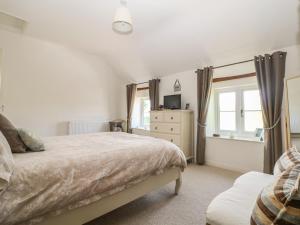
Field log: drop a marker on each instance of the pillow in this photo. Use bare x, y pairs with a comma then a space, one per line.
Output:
32, 142
279, 203
6, 163
11, 135
288, 159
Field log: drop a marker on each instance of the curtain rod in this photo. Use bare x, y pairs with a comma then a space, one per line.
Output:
146, 82
231, 64
245, 61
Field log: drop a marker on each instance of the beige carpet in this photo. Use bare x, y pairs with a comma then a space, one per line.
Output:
200, 185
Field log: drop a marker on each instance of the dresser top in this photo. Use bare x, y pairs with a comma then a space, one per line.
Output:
173, 110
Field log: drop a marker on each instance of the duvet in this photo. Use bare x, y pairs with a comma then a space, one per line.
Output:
77, 170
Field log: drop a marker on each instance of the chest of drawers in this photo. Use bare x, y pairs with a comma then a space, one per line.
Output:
176, 126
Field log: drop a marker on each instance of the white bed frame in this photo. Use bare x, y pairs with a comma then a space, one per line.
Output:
89, 212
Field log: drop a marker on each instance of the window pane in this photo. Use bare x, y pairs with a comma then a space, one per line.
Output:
252, 100
253, 120
146, 109
227, 101
227, 121
136, 114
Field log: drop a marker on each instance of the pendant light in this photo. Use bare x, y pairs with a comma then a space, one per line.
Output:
122, 23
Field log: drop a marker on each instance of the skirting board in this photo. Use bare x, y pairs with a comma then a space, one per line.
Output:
89, 212
228, 167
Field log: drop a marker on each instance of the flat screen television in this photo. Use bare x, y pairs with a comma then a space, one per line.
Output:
172, 102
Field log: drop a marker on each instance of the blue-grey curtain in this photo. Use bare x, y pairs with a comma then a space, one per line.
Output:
130, 94
154, 93
204, 83
270, 71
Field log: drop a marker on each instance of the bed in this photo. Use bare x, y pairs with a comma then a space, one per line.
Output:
79, 178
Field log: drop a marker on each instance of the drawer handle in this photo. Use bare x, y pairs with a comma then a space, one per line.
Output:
172, 129
171, 117
171, 140
155, 128
156, 117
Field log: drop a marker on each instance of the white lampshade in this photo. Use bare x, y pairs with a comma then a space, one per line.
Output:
122, 22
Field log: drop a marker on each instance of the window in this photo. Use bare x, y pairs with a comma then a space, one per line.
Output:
238, 111
227, 103
251, 112
145, 113
141, 110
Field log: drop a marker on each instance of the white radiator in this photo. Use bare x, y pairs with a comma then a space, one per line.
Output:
87, 126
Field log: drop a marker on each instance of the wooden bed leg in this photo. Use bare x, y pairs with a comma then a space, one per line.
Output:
178, 185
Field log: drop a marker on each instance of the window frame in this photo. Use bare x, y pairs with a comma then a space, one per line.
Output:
246, 133
218, 112
239, 110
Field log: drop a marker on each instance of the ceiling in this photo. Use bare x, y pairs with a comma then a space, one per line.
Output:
169, 35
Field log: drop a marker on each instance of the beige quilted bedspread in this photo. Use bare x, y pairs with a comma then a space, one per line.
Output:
78, 170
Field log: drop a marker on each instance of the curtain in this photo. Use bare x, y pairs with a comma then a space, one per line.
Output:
154, 93
131, 91
204, 83
270, 71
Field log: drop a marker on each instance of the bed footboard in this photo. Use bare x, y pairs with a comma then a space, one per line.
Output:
92, 211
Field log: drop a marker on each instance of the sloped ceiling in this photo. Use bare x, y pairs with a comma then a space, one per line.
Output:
169, 35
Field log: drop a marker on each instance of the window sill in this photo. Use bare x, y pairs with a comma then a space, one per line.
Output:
256, 140
141, 128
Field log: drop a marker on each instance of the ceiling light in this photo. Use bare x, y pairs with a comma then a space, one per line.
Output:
122, 23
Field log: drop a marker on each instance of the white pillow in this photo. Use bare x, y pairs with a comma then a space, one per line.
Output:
6, 163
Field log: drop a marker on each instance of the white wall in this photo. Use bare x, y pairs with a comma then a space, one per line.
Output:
296, 141
46, 85
232, 154
237, 155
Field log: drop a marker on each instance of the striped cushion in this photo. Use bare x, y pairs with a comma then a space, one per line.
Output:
288, 159
279, 203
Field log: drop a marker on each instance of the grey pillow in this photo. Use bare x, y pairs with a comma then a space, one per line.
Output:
32, 142
11, 135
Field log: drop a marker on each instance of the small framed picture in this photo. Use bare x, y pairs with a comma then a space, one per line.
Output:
177, 86
259, 132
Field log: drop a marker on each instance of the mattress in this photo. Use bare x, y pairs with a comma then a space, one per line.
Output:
77, 170
234, 206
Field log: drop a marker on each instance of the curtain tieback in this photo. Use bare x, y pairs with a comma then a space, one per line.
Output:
202, 125
274, 125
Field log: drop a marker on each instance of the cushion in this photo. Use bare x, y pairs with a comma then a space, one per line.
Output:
279, 203
11, 135
32, 142
6, 162
234, 206
288, 159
